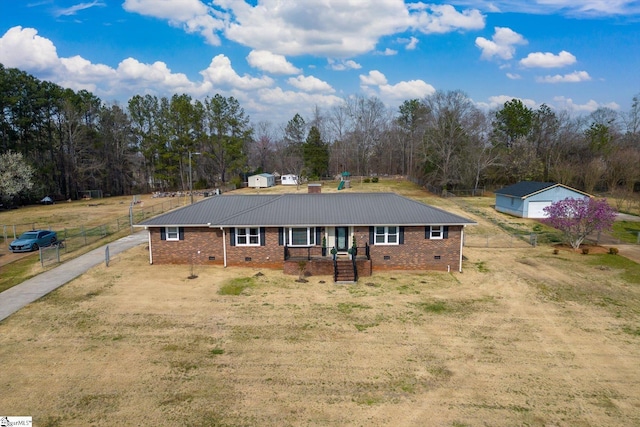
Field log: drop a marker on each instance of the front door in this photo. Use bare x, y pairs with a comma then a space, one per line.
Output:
342, 239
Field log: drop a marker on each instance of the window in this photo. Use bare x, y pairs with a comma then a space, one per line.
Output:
302, 236
173, 233
437, 232
386, 235
248, 237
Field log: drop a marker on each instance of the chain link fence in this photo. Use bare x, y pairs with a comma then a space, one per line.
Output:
73, 239
500, 240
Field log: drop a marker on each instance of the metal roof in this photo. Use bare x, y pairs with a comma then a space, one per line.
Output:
286, 210
524, 189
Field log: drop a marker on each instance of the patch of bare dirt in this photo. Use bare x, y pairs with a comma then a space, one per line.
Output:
589, 248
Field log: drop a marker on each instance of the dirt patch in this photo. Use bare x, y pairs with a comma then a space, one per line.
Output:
589, 248
522, 337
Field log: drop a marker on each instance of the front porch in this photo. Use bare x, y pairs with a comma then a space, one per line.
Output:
313, 261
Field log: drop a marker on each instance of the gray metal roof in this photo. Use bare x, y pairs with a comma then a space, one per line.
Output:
524, 189
284, 210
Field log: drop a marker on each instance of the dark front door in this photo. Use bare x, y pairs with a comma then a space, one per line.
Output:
342, 239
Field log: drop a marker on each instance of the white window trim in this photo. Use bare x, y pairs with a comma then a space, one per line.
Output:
440, 230
169, 233
248, 236
311, 237
386, 236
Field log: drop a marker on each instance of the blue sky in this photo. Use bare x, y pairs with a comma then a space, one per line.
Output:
279, 57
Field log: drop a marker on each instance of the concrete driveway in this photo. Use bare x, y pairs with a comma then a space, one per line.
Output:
15, 298
626, 250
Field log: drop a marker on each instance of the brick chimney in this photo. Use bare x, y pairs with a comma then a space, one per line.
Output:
314, 188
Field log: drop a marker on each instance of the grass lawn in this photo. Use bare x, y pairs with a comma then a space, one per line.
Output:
522, 338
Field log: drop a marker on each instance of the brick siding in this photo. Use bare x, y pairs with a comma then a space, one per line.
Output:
418, 253
202, 245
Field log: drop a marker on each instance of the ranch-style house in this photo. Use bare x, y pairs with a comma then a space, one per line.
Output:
344, 235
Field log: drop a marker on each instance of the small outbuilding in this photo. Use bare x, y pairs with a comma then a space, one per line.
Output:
289, 179
262, 180
527, 199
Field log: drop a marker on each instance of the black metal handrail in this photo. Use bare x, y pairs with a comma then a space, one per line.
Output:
318, 251
299, 251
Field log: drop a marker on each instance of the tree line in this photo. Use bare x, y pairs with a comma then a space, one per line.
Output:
59, 142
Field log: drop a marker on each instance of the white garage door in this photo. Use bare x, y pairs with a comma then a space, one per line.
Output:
536, 209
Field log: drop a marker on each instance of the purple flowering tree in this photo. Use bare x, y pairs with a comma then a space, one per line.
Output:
577, 218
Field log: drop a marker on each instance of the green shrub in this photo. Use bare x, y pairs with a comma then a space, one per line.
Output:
367, 180
374, 179
237, 181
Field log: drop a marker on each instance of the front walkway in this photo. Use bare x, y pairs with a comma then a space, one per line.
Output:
15, 298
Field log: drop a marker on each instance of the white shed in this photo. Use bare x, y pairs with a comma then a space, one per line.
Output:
262, 180
289, 179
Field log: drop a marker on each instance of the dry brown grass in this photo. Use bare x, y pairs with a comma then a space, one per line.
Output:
522, 337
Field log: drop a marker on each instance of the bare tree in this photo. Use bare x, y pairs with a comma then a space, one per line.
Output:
262, 152
368, 118
452, 123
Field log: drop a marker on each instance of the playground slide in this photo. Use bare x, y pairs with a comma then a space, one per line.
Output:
341, 185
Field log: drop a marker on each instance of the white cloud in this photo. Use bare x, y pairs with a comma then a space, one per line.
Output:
445, 18
336, 28
375, 83
133, 71
77, 8
220, 73
499, 100
192, 15
513, 76
548, 60
270, 62
310, 84
502, 44
411, 89
276, 105
389, 52
84, 70
374, 78
23, 48
588, 107
413, 43
575, 77
341, 65
588, 8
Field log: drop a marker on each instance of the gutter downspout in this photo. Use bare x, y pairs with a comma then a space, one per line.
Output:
224, 246
150, 251
461, 245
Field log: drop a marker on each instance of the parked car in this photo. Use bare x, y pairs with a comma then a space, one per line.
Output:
32, 240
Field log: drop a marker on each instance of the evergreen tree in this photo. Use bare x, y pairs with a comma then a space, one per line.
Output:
316, 154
